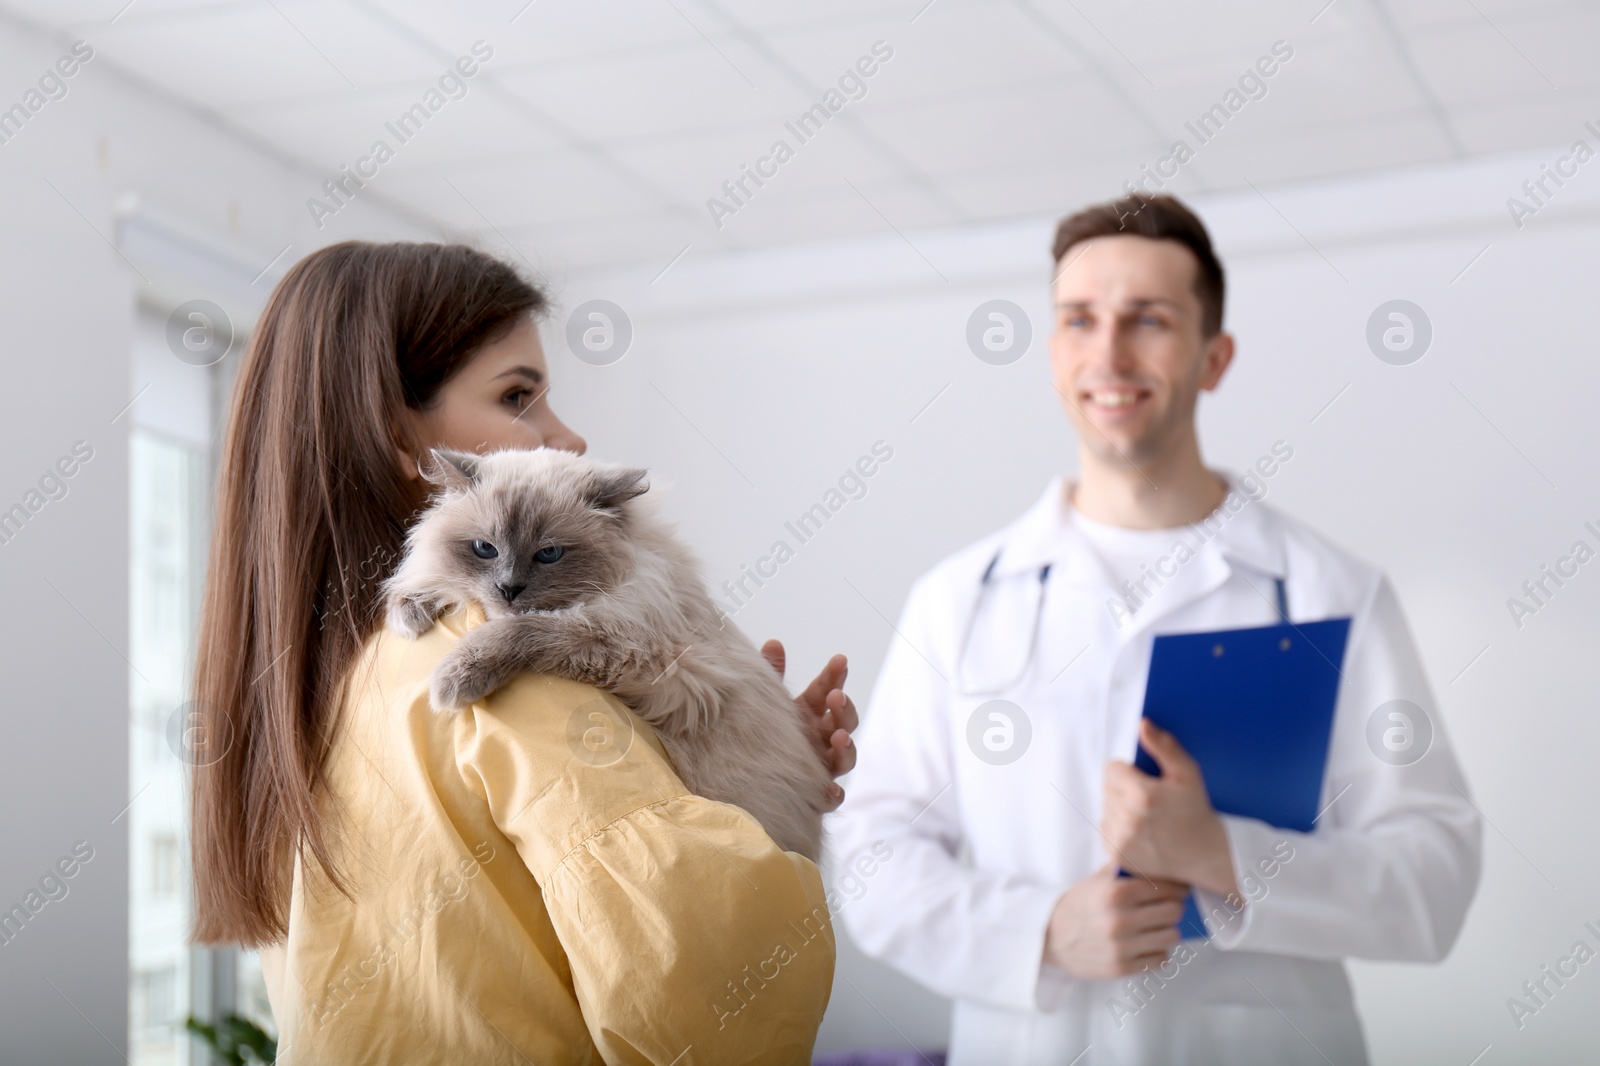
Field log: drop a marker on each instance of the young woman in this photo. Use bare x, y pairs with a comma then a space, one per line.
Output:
504, 885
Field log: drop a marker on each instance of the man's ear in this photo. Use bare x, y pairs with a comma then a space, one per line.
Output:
614, 487
449, 468
1217, 356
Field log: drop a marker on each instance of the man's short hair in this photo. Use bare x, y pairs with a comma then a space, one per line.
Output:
1160, 218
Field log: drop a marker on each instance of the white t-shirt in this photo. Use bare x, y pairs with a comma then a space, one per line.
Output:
1129, 554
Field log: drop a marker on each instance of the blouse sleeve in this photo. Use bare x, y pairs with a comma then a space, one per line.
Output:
691, 936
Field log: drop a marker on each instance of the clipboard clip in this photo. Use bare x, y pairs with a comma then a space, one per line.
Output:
1284, 643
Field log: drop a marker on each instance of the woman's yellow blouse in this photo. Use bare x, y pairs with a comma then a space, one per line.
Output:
532, 884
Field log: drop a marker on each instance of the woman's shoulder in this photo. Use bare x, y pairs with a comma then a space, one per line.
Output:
544, 750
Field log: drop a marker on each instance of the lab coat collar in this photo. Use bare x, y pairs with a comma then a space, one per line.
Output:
1246, 532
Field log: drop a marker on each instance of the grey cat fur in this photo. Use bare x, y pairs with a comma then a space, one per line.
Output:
624, 608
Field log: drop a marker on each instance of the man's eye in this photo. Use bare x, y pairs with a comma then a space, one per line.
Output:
484, 550
1151, 320
548, 555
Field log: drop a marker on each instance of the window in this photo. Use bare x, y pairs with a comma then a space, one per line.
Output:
164, 499
155, 1005
177, 413
164, 864
171, 459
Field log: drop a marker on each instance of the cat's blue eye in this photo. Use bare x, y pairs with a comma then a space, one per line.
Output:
548, 555
484, 550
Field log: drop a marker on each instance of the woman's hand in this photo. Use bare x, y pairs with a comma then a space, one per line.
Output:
828, 714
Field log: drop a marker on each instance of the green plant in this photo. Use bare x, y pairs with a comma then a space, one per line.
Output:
235, 1040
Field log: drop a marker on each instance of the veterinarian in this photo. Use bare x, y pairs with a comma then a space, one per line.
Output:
994, 752
525, 882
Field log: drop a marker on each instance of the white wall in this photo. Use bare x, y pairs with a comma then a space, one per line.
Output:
753, 381
67, 301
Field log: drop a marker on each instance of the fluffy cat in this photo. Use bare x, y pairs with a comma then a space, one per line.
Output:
580, 577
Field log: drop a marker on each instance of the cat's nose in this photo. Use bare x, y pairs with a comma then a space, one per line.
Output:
510, 592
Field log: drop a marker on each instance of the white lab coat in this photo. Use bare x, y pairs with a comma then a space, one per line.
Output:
967, 858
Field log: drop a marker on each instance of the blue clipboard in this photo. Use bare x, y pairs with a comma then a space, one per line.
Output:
1255, 708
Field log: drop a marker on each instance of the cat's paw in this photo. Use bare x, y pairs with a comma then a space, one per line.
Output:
410, 617
461, 679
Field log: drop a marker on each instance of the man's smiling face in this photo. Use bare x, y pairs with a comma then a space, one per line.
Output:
1128, 350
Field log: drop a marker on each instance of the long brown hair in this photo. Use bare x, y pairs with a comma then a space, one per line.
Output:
311, 512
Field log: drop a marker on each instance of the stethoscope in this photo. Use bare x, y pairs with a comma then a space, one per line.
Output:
968, 689
964, 687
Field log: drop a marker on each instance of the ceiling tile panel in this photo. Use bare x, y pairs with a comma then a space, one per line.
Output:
473, 126
683, 87
1019, 126
559, 188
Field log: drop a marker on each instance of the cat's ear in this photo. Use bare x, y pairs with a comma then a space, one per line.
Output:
450, 469
612, 488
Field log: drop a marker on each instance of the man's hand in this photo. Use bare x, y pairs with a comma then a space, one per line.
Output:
1165, 827
1107, 926
828, 714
